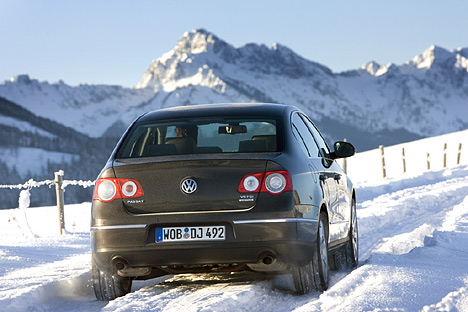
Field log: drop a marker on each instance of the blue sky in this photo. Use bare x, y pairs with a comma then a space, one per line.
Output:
113, 42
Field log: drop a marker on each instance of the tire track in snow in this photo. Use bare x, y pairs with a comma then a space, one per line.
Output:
208, 292
456, 221
41, 287
412, 212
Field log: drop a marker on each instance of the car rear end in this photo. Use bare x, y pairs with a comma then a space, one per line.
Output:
197, 193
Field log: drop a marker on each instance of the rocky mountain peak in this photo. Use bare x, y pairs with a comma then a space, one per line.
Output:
22, 79
200, 54
434, 55
195, 52
371, 67
199, 41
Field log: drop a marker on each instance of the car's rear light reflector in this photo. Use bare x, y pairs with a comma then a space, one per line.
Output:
108, 189
272, 182
129, 188
251, 183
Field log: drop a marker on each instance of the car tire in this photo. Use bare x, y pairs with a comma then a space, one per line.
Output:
314, 275
108, 287
352, 247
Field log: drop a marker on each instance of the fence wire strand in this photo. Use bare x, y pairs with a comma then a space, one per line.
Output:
31, 183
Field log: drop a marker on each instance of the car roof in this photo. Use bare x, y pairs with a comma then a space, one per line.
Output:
210, 110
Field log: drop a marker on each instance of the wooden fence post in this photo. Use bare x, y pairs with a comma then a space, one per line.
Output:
459, 153
59, 192
382, 155
404, 159
445, 156
345, 163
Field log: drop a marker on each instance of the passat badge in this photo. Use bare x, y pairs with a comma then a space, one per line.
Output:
188, 186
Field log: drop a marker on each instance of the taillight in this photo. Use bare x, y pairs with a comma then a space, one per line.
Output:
108, 189
272, 182
105, 190
251, 183
129, 189
275, 183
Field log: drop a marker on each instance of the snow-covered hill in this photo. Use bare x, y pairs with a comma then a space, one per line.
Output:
411, 158
413, 237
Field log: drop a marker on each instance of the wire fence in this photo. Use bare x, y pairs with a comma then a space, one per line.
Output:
409, 159
60, 185
31, 184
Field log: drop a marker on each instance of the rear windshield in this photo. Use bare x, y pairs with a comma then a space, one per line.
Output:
201, 137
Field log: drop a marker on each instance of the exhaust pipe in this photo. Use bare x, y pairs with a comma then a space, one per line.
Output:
125, 270
268, 263
268, 260
119, 264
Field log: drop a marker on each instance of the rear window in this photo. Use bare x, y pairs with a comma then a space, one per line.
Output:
201, 137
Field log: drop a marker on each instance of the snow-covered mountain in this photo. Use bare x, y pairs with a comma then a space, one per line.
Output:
375, 104
424, 97
89, 109
427, 95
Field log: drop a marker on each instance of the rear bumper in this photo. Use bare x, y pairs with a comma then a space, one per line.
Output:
288, 240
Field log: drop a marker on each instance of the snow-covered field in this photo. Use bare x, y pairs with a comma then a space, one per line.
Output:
413, 246
368, 165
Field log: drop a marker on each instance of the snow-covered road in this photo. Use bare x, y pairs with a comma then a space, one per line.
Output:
413, 247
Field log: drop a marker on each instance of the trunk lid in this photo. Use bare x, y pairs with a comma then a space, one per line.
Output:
217, 181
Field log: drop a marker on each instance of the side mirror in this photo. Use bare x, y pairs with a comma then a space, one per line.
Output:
343, 149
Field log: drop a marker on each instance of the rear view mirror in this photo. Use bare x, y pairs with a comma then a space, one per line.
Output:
343, 149
232, 129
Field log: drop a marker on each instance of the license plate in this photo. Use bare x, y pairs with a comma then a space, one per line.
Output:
192, 233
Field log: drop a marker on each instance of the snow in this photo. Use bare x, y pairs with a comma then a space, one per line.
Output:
413, 231
462, 62
371, 67
415, 157
428, 57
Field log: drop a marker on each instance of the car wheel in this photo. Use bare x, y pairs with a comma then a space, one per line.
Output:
352, 247
108, 287
314, 275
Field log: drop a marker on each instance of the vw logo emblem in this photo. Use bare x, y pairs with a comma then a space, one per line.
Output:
188, 186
